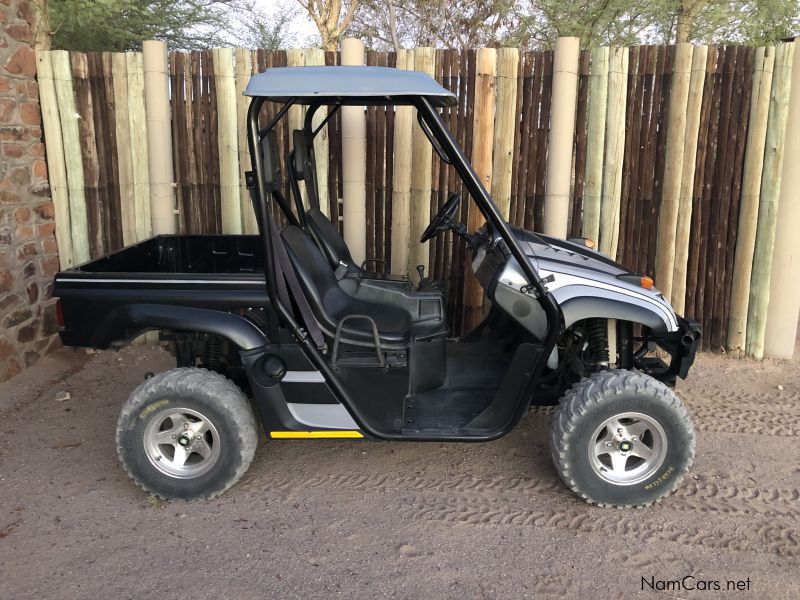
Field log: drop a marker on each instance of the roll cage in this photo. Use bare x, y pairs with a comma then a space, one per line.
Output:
444, 143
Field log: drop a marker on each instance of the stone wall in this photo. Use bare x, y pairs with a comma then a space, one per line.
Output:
28, 253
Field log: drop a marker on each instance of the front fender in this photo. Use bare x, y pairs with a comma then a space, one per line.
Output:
579, 301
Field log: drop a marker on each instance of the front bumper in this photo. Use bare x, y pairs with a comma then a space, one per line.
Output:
680, 345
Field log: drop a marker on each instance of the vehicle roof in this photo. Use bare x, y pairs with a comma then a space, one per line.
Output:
347, 85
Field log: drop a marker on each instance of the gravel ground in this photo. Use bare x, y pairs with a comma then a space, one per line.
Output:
410, 520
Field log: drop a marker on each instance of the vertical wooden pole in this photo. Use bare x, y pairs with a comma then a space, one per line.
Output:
401, 183
70, 135
159, 137
56, 169
505, 124
119, 70
614, 150
88, 141
566, 61
751, 192
244, 69
354, 163
421, 164
227, 141
768, 204
784, 300
673, 167
595, 142
316, 56
693, 114
297, 58
138, 149
482, 136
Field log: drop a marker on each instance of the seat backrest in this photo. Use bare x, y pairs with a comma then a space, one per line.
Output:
319, 226
318, 280
329, 240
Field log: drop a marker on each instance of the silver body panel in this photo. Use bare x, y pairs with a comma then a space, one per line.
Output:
584, 284
322, 416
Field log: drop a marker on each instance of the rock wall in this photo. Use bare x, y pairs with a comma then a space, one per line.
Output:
28, 253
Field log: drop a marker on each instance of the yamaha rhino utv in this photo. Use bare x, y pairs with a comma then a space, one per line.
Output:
328, 348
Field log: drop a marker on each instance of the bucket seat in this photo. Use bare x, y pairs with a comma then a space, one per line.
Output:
328, 239
400, 318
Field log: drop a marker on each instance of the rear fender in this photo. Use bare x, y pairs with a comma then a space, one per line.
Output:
128, 321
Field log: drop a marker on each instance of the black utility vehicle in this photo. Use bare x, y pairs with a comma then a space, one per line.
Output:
327, 348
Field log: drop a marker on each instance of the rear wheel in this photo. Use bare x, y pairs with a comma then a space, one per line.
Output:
187, 433
622, 438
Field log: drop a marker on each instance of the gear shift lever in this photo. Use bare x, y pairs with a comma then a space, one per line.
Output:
421, 272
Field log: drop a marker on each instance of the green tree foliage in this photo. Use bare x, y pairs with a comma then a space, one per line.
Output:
537, 23
259, 29
119, 25
411, 23
720, 21
596, 22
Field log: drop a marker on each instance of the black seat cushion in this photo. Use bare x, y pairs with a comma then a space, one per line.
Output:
331, 304
329, 240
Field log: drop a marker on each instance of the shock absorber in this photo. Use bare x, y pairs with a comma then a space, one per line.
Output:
597, 332
213, 353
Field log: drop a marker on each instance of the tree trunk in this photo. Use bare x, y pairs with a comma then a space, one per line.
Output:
41, 25
687, 12
682, 28
329, 43
393, 26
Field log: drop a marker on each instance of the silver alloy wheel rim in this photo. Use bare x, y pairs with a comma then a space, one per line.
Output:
627, 448
181, 443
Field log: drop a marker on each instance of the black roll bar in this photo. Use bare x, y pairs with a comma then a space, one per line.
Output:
490, 212
312, 109
493, 215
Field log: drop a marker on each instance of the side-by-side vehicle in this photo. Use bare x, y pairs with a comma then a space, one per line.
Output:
329, 348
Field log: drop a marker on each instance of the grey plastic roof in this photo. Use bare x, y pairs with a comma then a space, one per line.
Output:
308, 84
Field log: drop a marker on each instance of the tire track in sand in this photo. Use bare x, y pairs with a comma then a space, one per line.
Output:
776, 536
692, 496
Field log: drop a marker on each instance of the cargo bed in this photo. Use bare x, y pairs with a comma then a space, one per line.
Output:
102, 300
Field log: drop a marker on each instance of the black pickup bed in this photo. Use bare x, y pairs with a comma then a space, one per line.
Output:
102, 301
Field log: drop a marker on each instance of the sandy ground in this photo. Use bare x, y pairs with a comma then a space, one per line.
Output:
325, 518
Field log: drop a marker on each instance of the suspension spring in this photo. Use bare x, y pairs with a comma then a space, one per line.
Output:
213, 353
598, 341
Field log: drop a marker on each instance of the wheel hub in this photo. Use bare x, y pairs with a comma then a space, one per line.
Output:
181, 443
627, 448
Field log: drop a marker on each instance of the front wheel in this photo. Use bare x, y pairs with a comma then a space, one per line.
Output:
621, 438
187, 433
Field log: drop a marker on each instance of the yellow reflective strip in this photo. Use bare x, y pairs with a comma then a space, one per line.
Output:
335, 433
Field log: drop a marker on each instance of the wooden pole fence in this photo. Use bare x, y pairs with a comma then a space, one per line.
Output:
768, 203
677, 163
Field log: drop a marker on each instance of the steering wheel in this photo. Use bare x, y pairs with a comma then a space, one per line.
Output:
443, 219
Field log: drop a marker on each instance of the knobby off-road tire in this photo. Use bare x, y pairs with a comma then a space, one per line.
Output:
186, 433
621, 438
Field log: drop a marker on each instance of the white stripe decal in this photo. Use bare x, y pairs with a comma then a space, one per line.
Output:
324, 416
565, 279
303, 377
